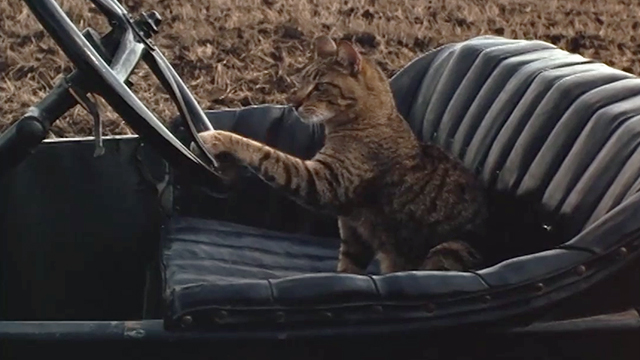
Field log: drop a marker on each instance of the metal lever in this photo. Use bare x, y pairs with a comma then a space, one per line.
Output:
91, 106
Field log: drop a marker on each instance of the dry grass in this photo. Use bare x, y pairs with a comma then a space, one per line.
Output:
234, 53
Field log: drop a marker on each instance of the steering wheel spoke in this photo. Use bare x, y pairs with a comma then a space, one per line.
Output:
187, 104
127, 56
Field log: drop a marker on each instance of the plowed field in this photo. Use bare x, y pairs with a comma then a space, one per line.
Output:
234, 53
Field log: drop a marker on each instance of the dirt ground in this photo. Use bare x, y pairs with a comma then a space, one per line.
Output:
234, 53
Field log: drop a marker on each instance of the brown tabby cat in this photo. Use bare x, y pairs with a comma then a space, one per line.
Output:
412, 205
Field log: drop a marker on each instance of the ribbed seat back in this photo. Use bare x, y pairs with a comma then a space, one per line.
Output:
555, 132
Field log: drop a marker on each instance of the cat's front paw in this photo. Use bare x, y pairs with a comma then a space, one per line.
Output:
216, 142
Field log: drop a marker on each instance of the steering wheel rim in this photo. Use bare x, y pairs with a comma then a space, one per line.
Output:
108, 82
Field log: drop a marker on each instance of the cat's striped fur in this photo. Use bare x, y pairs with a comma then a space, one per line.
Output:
411, 204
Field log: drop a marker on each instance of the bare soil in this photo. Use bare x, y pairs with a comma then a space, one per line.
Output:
234, 53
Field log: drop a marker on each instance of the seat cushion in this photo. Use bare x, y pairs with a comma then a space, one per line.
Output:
217, 273
211, 265
211, 251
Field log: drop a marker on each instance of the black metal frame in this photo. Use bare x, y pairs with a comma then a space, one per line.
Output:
582, 338
123, 47
153, 330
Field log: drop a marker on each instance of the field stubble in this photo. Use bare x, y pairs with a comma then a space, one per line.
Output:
234, 53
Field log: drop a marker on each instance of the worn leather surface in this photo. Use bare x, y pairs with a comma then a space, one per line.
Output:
554, 137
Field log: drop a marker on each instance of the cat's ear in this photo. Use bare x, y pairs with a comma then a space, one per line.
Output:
349, 56
325, 47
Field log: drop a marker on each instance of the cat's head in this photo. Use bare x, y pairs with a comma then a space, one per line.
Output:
338, 84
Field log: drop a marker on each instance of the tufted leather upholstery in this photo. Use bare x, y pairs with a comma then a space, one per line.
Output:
553, 135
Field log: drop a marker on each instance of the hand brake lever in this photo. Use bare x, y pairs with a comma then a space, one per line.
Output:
91, 106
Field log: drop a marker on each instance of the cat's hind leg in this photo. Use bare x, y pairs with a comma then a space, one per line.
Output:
452, 255
355, 252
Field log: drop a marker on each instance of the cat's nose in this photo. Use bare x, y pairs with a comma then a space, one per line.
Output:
294, 101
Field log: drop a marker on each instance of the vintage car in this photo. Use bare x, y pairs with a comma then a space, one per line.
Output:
132, 247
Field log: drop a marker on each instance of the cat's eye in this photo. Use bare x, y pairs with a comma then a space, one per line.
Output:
321, 87
324, 86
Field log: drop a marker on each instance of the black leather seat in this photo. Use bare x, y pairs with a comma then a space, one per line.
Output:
553, 135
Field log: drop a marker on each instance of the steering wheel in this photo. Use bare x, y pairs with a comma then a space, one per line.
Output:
130, 40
